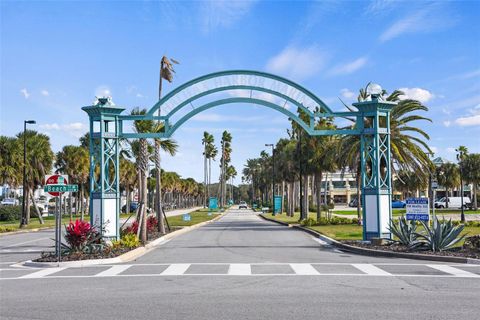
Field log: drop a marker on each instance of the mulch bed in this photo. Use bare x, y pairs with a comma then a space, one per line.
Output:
105, 254
395, 247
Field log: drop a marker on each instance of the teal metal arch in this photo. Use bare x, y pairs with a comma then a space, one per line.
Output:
260, 74
106, 122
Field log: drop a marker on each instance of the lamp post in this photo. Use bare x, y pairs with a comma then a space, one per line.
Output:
461, 153
23, 222
273, 176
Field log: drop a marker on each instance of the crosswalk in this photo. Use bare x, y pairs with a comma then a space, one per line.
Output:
246, 269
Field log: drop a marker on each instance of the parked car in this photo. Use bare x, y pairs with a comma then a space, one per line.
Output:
353, 203
242, 205
453, 203
133, 207
398, 204
10, 202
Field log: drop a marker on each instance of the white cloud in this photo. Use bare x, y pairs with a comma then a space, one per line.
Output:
347, 94
76, 129
299, 63
427, 19
215, 117
451, 150
25, 93
48, 126
434, 149
45, 93
349, 67
472, 120
447, 123
419, 94
223, 13
103, 91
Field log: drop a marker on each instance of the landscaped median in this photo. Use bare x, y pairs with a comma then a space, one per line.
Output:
347, 234
84, 246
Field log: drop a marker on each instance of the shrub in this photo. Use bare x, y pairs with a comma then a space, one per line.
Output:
152, 223
308, 222
442, 235
130, 241
133, 228
7, 229
405, 231
10, 213
78, 234
323, 221
472, 243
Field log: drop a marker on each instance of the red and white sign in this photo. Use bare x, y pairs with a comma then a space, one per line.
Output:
56, 179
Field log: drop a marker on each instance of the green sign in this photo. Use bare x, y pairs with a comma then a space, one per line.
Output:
61, 188
212, 203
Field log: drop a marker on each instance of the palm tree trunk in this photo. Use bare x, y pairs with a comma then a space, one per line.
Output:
158, 188
318, 191
36, 208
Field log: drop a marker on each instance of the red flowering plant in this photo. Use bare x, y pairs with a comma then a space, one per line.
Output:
80, 235
133, 228
152, 223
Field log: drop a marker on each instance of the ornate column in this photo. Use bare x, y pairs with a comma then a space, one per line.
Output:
105, 129
374, 124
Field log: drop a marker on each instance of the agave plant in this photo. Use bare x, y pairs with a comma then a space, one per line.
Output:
442, 235
405, 231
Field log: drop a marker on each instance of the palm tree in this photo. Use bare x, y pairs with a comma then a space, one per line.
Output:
10, 161
471, 172
40, 159
462, 153
166, 72
448, 176
207, 142
128, 179
224, 161
230, 174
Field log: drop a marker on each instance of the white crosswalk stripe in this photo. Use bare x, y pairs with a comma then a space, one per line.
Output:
245, 269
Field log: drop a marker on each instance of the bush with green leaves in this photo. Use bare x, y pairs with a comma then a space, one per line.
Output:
441, 236
405, 231
308, 222
13, 213
130, 241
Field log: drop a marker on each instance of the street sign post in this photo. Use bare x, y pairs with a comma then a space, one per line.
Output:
278, 204
212, 203
418, 209
186, 217
56, 185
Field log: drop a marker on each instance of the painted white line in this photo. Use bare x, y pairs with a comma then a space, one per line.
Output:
176, 269
20, 243
113, 271
42, 273
239, 269
304, 269
323, 243
453, 271
371, 269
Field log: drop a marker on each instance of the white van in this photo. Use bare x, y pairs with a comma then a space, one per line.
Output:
453, 202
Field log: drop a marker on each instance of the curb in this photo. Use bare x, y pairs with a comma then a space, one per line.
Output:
24, 231
377, 253
128, 256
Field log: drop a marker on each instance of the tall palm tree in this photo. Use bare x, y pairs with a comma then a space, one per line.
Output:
207, 142
128, 179
10, 161
462, 153
224, 161
39, 162
448, 175
471, 172
166, 72
230, 174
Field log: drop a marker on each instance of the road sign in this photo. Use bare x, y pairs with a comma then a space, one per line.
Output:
434, 185
56, 179
278, 204
186, 217
417, 209
60, 188
212, 203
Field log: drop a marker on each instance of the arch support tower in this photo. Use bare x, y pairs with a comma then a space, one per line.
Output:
105, 128
374, 124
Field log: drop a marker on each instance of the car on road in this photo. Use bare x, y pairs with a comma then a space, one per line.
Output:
10, 202
398, 204
242, 205
133, 207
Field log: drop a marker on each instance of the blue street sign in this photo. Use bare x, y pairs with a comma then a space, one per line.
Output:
417, 209
186, 217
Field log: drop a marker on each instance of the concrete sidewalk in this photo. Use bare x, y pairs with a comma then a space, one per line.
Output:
170, 213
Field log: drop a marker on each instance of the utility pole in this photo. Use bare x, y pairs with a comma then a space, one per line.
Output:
273, 176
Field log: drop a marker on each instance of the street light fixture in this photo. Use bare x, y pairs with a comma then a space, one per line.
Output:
23, 222
273, 176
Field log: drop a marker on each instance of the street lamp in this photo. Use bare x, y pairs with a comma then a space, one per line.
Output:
273, 176
23, 223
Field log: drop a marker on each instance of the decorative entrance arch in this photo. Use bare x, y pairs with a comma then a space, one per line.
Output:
229, 88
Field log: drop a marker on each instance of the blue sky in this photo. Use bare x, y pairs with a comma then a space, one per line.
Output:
56, 56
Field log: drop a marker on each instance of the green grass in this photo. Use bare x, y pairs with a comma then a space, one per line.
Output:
197, 217
7, 226
399, 212
349, 231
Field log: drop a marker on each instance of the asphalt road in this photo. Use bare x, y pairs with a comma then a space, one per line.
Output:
242, 267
